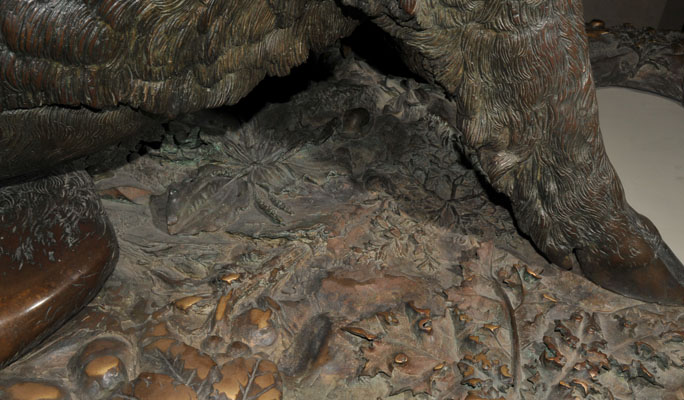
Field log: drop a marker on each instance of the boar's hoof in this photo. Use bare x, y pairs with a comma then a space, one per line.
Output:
635, 262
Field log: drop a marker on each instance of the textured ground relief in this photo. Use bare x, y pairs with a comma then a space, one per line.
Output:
335, 247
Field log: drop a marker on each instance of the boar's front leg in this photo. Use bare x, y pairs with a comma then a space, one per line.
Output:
520, 75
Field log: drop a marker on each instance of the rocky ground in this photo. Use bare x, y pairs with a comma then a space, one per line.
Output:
335, 246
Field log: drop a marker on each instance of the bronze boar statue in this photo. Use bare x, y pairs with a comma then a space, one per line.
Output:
76, 76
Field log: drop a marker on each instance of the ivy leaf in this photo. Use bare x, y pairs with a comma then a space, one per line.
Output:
249, 379
414, 349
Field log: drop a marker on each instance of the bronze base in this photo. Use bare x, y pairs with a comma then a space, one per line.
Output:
381, 270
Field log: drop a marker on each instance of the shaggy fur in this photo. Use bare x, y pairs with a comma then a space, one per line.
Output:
518, 71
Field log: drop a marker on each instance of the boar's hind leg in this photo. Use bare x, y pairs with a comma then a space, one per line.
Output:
520, 75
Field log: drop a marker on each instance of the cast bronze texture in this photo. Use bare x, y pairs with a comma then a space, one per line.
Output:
56, 250
335, 297
76, 76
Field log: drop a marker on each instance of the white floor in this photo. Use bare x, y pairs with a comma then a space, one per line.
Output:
644, 137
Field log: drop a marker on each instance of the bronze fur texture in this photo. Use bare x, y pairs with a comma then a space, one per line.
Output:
76, 76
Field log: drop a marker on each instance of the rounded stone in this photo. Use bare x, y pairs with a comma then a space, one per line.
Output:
102, 366
56, 250
99, 367
32, 391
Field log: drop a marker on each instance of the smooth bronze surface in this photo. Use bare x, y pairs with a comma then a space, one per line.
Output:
33, 391
55, 253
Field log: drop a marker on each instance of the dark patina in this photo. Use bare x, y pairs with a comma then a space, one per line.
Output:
78, 76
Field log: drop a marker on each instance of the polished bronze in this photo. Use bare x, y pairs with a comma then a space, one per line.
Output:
55, 253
